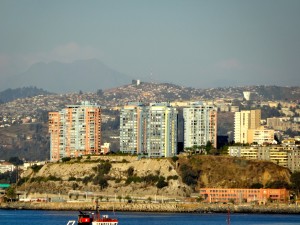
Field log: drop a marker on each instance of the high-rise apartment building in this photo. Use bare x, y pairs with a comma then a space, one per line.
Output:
150, 130
161, 130
200, 125
132, 127
243, 121
75, 131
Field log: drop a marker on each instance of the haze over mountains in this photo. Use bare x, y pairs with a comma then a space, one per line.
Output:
84, 75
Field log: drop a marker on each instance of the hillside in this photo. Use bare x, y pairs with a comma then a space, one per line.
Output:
9, 94
230, 172
130, 176
26, 141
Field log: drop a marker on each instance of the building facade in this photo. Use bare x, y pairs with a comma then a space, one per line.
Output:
132, 128
239, 195
75, 131
6, 167
149, 130
200, 125
286, 156
261, 136
243, 121
161, 130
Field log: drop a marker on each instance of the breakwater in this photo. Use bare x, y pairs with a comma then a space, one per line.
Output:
154, 207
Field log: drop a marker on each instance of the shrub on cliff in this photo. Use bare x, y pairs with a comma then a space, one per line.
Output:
189, 174
161, 182
175, 177
65, 159
103, 168
278, 184
130, 171
134, 179
36, 168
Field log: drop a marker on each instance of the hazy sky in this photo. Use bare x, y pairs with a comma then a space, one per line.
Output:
201, 43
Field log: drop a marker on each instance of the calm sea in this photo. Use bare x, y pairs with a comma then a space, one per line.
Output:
37, 217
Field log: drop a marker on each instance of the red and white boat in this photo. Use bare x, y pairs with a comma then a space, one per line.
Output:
94, 219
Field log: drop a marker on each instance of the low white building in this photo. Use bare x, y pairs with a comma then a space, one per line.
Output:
6, 167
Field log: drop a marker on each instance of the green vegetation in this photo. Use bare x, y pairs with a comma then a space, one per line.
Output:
36, 168
175, 158
161, 182
175, 177
16, 161
44, 179
189, 174
130, 171
65, 159
11, 193
72, 179
278, 184
256, 185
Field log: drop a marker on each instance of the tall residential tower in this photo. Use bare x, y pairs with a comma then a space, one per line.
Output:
75, 131
149, 130
161, 130
244, 121
200, 125
132, 126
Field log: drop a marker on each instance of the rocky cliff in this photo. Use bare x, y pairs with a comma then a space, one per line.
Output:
130, 176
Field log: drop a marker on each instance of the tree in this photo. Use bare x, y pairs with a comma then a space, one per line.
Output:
65, 159
175, 158
256, 186
11, 193
130, 171
128, 198
208, 146
103, 182
75, 186
16, 161
161, 182
278, 184
119, 197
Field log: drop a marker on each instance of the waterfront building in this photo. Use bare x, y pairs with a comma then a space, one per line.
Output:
200, 125
240, 195
149, 130
75, 131
132, 127
161, 130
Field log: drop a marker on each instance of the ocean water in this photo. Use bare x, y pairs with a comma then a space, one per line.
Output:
39, 217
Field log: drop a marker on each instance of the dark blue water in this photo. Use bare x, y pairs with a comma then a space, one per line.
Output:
37, 217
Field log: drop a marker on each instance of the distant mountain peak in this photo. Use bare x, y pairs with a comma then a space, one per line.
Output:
84, 75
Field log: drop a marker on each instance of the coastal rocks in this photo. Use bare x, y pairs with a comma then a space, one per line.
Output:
154, 207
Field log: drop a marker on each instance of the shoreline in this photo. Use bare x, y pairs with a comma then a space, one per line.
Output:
154, 207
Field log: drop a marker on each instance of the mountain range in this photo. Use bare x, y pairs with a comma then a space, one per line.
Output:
80, 75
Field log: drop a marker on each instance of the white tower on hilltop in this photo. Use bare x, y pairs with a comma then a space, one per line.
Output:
247, 95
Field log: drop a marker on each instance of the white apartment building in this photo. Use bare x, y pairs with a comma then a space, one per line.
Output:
200, 125
161, 130
149, 130
132, 126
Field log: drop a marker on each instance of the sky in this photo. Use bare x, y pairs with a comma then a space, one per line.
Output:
194, 43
